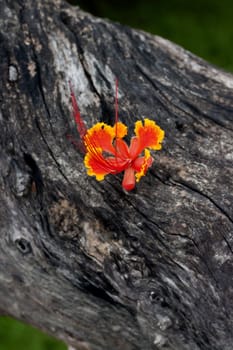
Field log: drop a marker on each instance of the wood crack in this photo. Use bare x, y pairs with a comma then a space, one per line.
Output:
51, 152
220, 209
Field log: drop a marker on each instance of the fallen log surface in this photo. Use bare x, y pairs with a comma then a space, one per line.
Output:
84, 260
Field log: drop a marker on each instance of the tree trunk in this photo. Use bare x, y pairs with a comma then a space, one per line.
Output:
84, 260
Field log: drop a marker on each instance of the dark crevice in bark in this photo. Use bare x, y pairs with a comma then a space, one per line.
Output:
195, 189
50, 151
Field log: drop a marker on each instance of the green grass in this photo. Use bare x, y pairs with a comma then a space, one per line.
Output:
15, 335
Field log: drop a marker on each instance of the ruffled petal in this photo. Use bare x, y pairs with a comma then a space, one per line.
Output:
101, 136
120, 130
150, 135
142, 164
96, 164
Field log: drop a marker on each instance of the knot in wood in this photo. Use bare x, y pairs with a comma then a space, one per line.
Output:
23, 245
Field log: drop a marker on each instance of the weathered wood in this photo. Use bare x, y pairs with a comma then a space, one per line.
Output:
83, 260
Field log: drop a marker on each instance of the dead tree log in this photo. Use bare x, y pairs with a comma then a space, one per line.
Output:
84, 260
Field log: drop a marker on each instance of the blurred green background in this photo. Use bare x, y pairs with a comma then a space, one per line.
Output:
204, 27
15, 335
201, 26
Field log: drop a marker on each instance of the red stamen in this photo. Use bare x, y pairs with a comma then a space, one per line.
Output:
116, 114
77, 116
93, 149
77, 143
116, 102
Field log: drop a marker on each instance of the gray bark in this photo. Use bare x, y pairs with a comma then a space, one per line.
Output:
83, 260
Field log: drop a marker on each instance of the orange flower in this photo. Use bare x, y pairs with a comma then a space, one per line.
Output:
108, 153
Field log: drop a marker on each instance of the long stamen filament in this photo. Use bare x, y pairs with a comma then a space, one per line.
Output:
116, 116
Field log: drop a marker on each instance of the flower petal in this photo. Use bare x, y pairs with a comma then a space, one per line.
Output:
96, 164
121, 149
117, 164
134, 150
142, 164
150, 135
101, 136
120, 130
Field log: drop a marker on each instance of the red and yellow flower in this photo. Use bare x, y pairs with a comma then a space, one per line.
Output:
107, 152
